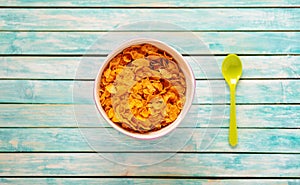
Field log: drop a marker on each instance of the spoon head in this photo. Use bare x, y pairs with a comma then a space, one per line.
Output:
232, 68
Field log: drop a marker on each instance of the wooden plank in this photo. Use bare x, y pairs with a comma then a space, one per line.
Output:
190, 165
15, 115
34, 115
207, 91
150, 3
148, 181
109, 19
197, 140
81, 43
46, 67
255, 67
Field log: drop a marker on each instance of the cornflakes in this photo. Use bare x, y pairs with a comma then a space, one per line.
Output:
142, 89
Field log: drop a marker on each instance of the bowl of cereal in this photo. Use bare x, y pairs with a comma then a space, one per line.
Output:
144, 89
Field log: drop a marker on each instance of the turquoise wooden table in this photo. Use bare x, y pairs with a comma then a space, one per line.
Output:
42, 47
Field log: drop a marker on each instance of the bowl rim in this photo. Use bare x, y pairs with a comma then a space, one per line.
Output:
178, 58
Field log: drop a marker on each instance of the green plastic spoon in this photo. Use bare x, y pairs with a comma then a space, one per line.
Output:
232, 71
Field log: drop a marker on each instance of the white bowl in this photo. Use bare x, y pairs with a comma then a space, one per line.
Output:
190, 87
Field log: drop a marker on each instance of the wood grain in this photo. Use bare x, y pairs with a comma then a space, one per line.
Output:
110, 19
58, 115
102, 43
150, 3
190, 165
254, 67
208, 91
201, 140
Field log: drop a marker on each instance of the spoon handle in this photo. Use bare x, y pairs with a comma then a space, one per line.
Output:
233, 135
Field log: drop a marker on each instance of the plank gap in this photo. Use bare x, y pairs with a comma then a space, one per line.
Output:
105, 55
148, 152
151, 7
118, 31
